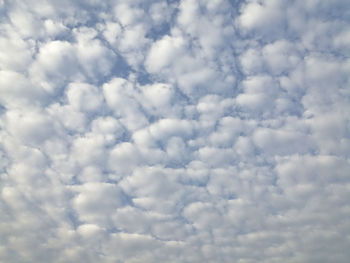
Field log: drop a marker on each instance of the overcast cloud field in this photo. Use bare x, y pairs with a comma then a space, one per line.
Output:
174, 131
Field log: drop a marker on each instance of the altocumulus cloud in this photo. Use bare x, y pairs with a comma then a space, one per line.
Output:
174, 131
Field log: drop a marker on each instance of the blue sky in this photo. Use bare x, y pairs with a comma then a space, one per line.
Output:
174, 131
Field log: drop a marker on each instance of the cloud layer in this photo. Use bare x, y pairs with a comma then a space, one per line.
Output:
174, 131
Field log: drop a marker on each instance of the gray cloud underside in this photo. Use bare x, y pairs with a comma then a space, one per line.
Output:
174, 131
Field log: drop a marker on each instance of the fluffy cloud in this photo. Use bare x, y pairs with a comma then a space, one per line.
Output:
174, 131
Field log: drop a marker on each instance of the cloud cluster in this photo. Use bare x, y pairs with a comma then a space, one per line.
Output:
174, 131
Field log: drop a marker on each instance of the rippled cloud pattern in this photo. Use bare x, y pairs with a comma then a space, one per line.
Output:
174, 131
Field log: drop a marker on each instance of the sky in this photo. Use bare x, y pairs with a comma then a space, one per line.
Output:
174, 131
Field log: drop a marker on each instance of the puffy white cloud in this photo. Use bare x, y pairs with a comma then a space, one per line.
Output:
18, 53
69, 118
266, 19
174, 131
163, 52
55, 64
25, 23
108, 127
282, 142
124, 158
95, 202
259, 95
84, 97
96, 59
17, 90
120, 96
31, 127
281, 56
251, 61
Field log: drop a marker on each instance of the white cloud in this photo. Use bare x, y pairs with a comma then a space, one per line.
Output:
95, 202
108, 127
266, 18
163, 52
31, 127
55, 64
69, 118
79, 93
174, 131
281, 56
16, 90
120, 96
18, 53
